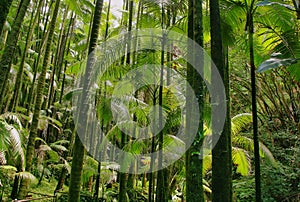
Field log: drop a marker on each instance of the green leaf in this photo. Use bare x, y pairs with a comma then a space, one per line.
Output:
239, 122
27, 175
69, 95
275, 62
58, 148
242, 160
52, 121
207, 163
74, 68
268, 3
40, 139
8, 167
10, 141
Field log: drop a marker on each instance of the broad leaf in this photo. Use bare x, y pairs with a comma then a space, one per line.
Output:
268, 3
242, 160
69, 95
275, 62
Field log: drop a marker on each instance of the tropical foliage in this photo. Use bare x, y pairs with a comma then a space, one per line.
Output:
67, 135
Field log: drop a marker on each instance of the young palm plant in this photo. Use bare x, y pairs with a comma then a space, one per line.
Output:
11, 150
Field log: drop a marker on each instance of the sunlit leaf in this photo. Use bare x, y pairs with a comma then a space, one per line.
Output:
242, 160
275, 62
268, 3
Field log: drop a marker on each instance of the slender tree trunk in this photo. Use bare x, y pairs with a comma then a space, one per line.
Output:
100, 138
153, 157
9, 50
72, 23
194, 187
15, 98
97, 185
41, 45
254, 105
78, 153
122, 176
38, 102
221, 160
76, 171
4, 8
161, 184
130, 60
228, 118
61, 180
14, 192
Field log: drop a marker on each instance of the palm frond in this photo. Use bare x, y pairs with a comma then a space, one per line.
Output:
61, 142
135, 147
7, 168
4, 136
173, 144
58, 148
40, 139
44, 148
91, 162
27, 175
12, 117
49, 120
241, 158
206, 188
265, 152
207, 163
11, 143
248, 145
239, 122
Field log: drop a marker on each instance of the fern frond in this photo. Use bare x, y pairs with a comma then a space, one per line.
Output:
241, 158
239, 122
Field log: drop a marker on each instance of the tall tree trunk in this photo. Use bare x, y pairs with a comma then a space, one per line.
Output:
131, 60
153, 150
161, 184
14, 192
194, 187
221, 154
98, 149
122, 176
40, 47
15, 98
38, 102
69, 32
254, 105
10, 46
4, 8
56, 69
78, 153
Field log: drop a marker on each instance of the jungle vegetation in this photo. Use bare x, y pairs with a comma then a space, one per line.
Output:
49, 52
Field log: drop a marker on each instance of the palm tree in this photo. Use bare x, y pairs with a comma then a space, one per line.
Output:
221, 154
78, 153
194, 187
10, 46
38, 103
4, 8
242, 146
11, 150
250, 28
19, 79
